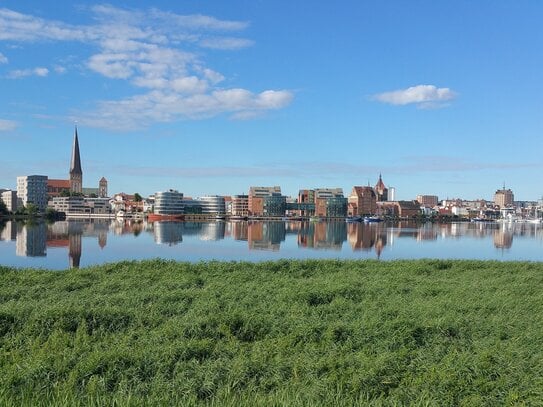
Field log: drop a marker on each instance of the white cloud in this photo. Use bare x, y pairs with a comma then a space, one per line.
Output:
21, 73
3, 59
424, 96
226, 43
166, 106
7, 125
152, 50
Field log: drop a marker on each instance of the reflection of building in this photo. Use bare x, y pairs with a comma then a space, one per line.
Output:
32, 189
265, 235
212, 231
504, 198
266, 201
361, 235
330, 235
74, 250
427, 232
503, 238
239, 230
31, 240
9, 231
168, 232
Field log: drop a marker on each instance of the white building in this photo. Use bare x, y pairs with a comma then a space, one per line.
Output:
9, 198
212, 205
169, 203
78, 205
32, 189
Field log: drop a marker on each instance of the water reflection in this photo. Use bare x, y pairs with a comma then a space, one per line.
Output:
77, 237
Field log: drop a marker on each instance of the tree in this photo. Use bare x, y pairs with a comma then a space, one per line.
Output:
3, 208
137, 197
31, 209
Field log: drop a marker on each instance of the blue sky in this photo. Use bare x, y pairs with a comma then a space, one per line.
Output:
211, 97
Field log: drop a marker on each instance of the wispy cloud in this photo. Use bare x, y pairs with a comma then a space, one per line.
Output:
155, 51
226, 43
424, 96
3, 59
7, 125
21, 73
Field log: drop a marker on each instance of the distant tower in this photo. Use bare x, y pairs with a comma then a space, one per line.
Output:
76, 174
102, 188
381, 190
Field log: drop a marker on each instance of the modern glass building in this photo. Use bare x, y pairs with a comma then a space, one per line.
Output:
212, 205
169, 203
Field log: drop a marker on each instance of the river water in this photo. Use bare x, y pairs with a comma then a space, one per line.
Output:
66, 244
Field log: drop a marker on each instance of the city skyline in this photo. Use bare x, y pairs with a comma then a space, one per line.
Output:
213, 98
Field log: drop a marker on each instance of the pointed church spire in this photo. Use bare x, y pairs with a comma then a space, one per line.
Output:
75, 166
76, 173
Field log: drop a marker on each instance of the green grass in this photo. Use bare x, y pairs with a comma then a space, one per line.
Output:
286, 333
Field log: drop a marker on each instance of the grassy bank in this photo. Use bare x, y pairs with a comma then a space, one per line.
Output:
276, 333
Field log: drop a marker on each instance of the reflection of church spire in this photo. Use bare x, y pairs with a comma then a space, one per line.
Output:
102, 239
75, 250
76, 174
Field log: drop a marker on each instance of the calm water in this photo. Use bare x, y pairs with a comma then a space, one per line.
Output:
81, 243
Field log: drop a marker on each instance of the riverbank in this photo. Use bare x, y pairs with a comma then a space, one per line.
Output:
311, 332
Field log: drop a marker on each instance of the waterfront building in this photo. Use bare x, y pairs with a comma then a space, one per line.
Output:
212, 205
192, 206
126, 202
78, 205
266, 201
169, 203
428, 201
9, 198
381, 190
504, 198
76, 173
362, 201
330, 202
408, 209
32, 189
240, 206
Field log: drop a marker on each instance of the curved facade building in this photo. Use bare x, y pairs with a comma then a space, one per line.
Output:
168, 204
213, 205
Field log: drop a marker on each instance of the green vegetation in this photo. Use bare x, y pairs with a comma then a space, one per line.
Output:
293, 333
3, 209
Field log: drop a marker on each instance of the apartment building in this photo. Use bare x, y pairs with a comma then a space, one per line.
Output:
266, 201
32, 189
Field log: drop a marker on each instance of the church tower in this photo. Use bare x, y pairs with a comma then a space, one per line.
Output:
381, 190
102, 188
76, 174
